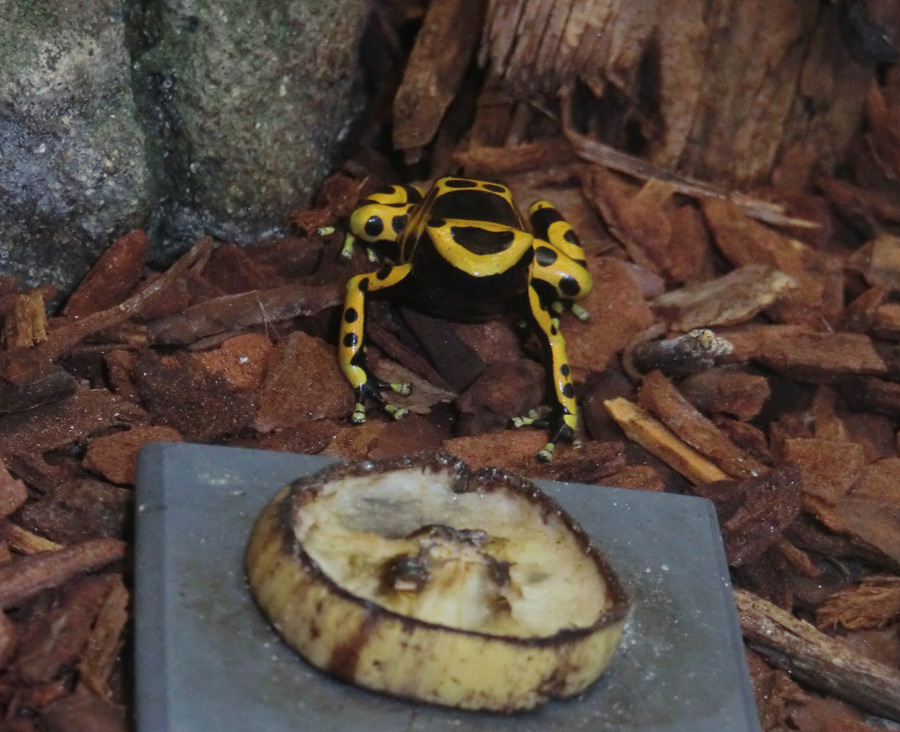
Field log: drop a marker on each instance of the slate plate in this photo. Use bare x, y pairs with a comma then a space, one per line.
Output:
207, 659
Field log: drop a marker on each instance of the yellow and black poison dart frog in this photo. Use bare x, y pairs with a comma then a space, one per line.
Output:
463, 252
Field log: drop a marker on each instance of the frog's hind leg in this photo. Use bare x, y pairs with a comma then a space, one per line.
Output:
351, 350
564, 417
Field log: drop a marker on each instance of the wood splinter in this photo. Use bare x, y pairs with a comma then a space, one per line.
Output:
657, 439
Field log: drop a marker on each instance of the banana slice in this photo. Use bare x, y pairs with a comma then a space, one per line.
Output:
417, 578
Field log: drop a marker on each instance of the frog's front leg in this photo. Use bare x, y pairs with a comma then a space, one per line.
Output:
381, 219
351, 351
559, 257
564, 417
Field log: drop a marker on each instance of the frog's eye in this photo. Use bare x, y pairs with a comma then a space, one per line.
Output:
374, 226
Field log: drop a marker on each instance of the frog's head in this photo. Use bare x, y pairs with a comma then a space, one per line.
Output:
378, 222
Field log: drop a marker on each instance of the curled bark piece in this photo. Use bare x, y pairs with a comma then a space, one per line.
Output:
23, 578
816, 659
685, 354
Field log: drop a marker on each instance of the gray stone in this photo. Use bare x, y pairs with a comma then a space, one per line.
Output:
184, 117
73, 175
247, 104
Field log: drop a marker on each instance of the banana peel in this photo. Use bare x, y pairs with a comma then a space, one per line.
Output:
417, 578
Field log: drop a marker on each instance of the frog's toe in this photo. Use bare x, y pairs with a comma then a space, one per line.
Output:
347, 249
401, 387
532, 419
358, 416
395, 411
545, 455
580, 313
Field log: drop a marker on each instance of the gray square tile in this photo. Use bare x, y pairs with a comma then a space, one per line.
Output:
206, 659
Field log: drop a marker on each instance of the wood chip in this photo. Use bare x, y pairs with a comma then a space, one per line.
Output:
24, 577
24, 541
457, 363
659, 396
303, 382
242, 360
442, 52
618, 313
883, 265
873, 603
115, 456
404, 355
828, 468
28, 324
637, 477
80, 509
860, 204
807, 355
883, 120
755, 512
13, 493
744, 241
501, 162
82, 712
637, 221
65, 422
76, 330
200, 405
112, 277
105, 641
510, 449
54, 640
9, 635
870, 510
733, 298
28, 380
727, 391
236, 312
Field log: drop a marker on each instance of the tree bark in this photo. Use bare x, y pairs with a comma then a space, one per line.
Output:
722, 90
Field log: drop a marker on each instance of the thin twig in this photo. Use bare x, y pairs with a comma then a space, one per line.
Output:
595, 151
